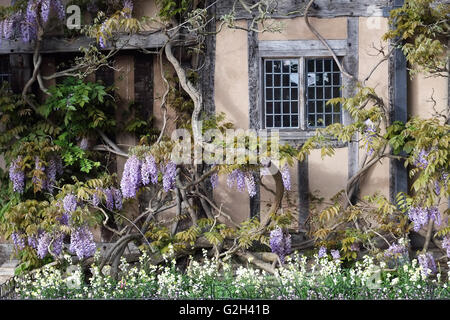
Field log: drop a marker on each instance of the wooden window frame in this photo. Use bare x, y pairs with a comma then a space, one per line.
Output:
301, 50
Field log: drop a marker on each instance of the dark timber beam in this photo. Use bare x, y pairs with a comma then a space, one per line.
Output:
56, 45
303, 193
398, 83
325, 8
351, 62
254, 111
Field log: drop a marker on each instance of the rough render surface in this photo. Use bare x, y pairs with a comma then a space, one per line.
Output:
370, 33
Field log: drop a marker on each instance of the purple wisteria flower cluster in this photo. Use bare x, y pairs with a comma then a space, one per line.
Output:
128, 8
280, 243
335, 254
251, 185
138, 173
427, 263
131, 177
443, 180
240, 179
369, 135
113, 199
18, 240
17, 175
420, 216
446, 245
82, 242
421, 160
169, 176
322, 252
395, 250
47, 241
214, 180
27, 20
286, 176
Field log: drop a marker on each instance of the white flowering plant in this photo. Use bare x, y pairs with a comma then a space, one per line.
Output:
300, 278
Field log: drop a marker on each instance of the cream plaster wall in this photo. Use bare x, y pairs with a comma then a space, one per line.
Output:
296, 29
370, 33
231, 97
421, 89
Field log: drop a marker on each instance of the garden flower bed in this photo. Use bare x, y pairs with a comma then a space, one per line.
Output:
299, 278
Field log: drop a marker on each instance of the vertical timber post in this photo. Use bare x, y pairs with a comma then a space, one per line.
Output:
303, 193
399, 112
21, 69
351, 62
254, 112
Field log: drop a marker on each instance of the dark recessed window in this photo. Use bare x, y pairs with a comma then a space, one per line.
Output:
323, 82
5, 70
282, 100
281, 93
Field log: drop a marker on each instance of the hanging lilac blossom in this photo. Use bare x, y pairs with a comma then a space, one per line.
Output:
251, 186
95, 198
435, 215
369, 135
18, 240
422, 159
70, 203
82, 242
149, 171
101, 39
109, 199
240, 181
443, 179
153, 169
322, 252
420, 216
214, 180
131, 178
33, 242
286, 176
64, 220
52, 171
43, 243
58, 6
17, 176
29, 23
8, 28
335, 254
117, 195
446, 245
395, 250
169, 176
128, 7
280, 244
236, 177
231, 179
426, 261
45, 9
57, 244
